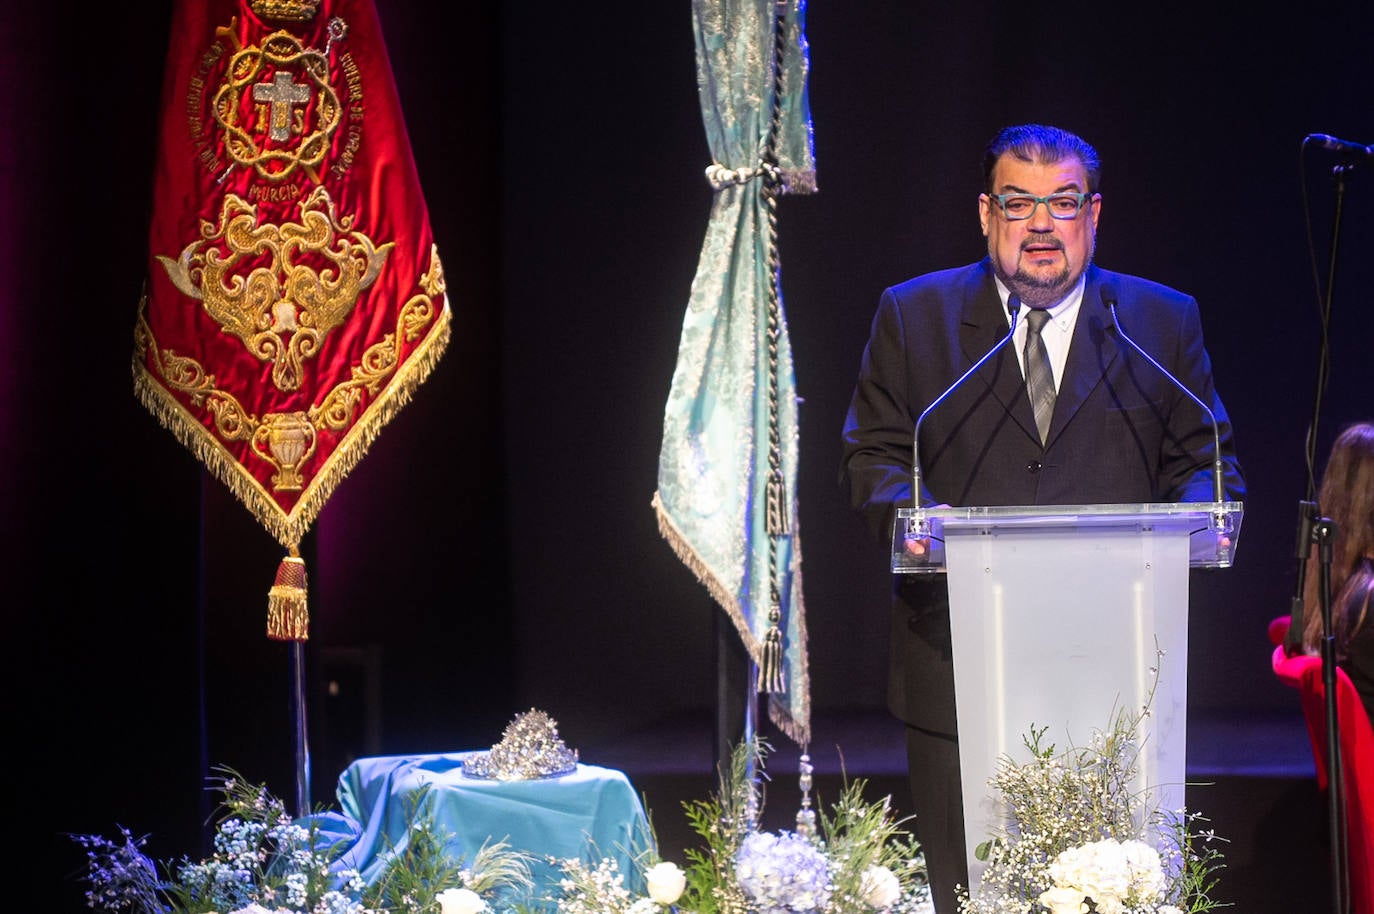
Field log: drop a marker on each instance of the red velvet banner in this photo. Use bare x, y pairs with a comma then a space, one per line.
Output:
295, 298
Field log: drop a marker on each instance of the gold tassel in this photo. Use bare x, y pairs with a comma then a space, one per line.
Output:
288, 616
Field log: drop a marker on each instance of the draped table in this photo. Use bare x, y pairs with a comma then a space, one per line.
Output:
589, 813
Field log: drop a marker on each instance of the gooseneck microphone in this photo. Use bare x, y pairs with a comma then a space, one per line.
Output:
1014, 307
1109, 299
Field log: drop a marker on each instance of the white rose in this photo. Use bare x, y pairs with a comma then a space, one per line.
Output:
665, 882
879, 887
1146, 870
1109, 904
1062, 900
460, 901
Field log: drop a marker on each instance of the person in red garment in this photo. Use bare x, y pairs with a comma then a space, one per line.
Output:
1346, 497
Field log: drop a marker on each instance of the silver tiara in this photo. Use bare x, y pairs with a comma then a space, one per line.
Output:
530, 748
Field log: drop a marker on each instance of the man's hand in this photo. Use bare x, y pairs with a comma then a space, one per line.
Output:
917, 545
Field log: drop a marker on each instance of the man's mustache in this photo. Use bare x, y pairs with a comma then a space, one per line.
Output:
1050, 240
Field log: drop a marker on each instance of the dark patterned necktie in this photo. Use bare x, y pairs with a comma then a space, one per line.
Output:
1039, 376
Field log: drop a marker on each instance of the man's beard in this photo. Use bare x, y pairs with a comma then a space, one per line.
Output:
1038, 292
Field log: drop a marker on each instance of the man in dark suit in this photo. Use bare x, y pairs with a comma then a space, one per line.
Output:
1116, 429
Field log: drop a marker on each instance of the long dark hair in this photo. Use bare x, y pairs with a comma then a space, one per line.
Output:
1347, 498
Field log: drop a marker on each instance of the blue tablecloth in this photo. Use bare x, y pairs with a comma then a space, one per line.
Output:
589, 813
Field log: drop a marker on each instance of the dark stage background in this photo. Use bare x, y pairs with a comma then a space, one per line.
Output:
496, 550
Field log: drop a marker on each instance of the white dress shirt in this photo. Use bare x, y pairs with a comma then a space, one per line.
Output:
1058, 330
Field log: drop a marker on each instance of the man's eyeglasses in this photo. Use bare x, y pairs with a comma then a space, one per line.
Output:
1016, 207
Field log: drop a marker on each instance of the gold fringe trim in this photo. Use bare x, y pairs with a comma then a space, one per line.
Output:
796, 727
288, 529
797, 730
288, 619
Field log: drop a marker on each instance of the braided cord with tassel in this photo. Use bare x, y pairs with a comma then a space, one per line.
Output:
771, 666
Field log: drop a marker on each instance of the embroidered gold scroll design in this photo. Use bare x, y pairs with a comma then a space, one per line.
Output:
287, 440
264, 284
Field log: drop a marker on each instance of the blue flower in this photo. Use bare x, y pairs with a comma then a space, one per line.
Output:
783, 873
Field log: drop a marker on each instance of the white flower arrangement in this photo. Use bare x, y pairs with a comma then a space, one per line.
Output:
859, 860
1116, 875
1080, 839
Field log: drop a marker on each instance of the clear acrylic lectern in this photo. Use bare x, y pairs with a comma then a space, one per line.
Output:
1056, 613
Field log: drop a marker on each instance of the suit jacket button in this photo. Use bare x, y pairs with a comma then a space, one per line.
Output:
1034, 466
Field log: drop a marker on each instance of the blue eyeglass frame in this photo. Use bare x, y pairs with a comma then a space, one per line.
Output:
1082, 199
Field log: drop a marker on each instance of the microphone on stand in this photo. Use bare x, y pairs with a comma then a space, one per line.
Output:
1345, 147
1013, 307
1220, 520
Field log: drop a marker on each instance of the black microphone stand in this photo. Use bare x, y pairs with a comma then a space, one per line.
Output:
1313, 529
1323, 532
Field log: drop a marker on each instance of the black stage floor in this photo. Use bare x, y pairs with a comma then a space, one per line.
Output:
1253, 778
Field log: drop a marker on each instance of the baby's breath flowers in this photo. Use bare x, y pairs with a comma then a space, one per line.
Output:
598, 887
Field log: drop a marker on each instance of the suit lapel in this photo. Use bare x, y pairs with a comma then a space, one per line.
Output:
1092, 351
983, 324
